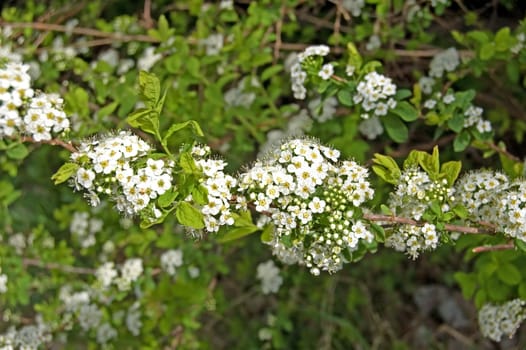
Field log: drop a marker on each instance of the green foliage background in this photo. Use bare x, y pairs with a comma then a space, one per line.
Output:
368, 305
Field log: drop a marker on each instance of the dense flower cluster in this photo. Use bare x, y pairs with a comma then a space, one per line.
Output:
85, 228
298, 76
216, 211
511, 207
130, 271
445, 61
371, 128
268, 273
118, 166
24, 111
413, 239
414, 194
498, 320
28, 337
170, 260
480, 193
375, 94
312, 201
473, 117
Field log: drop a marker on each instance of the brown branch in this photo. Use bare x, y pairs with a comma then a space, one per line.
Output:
147, 14
493, 248
279, 25
407, 221
78, 31
502, 151
54, 142
54, 266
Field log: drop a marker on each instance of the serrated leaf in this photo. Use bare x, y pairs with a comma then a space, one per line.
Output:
64, 172
149, 88
456, 123
146, 120
450, 170
188, 215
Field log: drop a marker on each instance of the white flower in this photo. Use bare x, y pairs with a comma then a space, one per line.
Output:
268, 273
326, 71
106, 273
171, 259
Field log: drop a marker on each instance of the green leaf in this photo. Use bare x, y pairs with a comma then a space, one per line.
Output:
457, 122
386, 168
345, 98
267, 234
450, 170
386, 210
461, 211
150, 89
167, 198
188, 164
509, 274
188, 215
468, 283
402, 94
487, 51
237, 232
520, 244
179, 126
355, 59
64, 172
522, 291
379, 232
18, 152
271, 71
108, 109
146, 120
200, 194
513, 71
405, 111
462, 141
396, 129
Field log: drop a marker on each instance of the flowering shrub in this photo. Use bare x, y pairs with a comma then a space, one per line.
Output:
185, 136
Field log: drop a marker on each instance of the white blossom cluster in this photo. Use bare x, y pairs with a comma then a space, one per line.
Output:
29, 337
170, 260
133, 319
298, 76
354, 6
217, 212
118, 166
498, 320
240, 95
371, 128
374, 93
24, 111
82, 310
479, 192
311, 200
413, 239
107, 274
445, 61
323, 111
268, 273
3, 282
473, 117
413, 195
519, 46
85, 228
415, 191
511, 207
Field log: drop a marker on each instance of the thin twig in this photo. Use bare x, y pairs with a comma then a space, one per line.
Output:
55, 266
493, 248
407, 221
54, 142
502, 151
78, 31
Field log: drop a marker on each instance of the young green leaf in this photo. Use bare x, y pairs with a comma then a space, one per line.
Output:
64, 172
396, 129
188, 215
